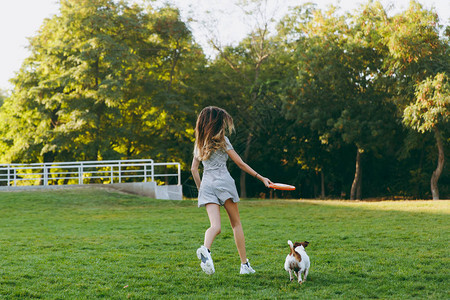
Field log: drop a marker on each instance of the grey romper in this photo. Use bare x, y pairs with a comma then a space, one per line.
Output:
217, 184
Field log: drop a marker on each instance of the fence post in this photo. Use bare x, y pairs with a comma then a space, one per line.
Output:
80, 174
9, 173
153, 171
112, 175
145, 172
15, 176
179, 174
45, 175
120, 172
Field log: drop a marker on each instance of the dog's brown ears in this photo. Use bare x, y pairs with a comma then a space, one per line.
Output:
304, 244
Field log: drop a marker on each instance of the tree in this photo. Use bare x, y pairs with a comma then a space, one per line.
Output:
243, 67
431, 112
339, 90
99, 84
416, 49
417, 54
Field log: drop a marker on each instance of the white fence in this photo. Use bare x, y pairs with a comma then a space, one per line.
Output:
88, 172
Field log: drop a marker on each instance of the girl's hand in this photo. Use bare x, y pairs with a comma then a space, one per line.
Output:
266, 181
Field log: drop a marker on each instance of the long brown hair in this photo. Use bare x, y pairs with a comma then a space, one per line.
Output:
210, 131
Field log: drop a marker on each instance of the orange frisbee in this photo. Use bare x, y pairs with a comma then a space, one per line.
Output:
282, 186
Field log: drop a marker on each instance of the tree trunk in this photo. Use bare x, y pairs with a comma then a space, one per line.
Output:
322, 185
357, 179
440, 166
359, 186
243, 174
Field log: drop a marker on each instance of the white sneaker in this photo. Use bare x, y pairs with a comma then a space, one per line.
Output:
246, 268
207, 262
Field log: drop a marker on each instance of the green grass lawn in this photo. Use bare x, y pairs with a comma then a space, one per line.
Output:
84, 244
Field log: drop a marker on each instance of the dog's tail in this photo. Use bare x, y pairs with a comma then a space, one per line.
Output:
291, 245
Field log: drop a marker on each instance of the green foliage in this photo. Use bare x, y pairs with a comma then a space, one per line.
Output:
432, 106
110, 79
339, 93
355, 74
413, 41
416, 50
97, 244
100, 85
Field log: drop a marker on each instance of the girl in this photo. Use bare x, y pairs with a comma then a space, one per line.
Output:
217, 187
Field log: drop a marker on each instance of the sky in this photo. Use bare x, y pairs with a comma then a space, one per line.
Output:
21, 19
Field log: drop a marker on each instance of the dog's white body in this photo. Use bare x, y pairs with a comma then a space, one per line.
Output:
297, 261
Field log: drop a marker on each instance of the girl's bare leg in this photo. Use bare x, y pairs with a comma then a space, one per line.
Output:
213, 211
235, 220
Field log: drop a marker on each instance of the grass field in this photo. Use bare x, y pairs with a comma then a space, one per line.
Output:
84, 244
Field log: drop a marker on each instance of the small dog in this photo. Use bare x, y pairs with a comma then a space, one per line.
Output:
297, 261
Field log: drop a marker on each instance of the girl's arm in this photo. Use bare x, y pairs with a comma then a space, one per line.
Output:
241, 164
194, 171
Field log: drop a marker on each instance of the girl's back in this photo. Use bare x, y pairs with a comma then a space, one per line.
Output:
218, 158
